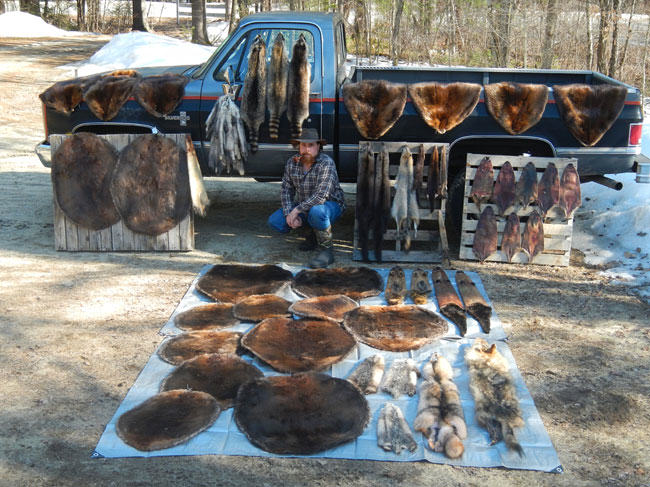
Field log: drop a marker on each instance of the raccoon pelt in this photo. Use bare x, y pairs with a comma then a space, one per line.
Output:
253, 103
496, 404
298, 87
516, 106
225, 130
276, 91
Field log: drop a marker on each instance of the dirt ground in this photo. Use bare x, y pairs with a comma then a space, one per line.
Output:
77, 328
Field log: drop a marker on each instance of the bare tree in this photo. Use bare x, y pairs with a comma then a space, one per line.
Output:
549, 34
138, 17
399, 7
31, 7
590, 42
613, 52
500, 14
627, 35
199, 24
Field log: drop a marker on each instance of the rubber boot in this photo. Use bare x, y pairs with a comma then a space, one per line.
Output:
309, 242
325, 255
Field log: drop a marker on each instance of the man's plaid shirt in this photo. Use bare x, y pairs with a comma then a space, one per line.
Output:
319, 184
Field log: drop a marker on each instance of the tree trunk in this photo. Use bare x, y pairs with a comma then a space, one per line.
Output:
500, 19
549, 33
394, 39
31, 7
199, 27
645, 57
611, 70
138, 17
93, 15
590, 41
603, 35
627, 36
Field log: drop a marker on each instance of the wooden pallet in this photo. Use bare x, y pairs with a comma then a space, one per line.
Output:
557, 231
69, 236
430, 244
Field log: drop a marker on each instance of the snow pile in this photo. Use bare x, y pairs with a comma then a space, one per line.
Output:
22, 24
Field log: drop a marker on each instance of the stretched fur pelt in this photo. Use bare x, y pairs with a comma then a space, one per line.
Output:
276, 91
63, 96
363, 213
516, 106
374, 105
106, 96
589, 110
253, 101
225, 130
298, 87
198, 193
159, 95
444, 106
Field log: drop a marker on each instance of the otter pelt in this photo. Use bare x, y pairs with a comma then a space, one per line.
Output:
301, 345
516, 106
106, 96
258, 307
475, 303
355, 282
220, 375
589, 111
444, 106
449, 302
150, 185
253, 101
333, 307
298, 87
276, 90
159, 95
485, 237
394, 328
206, 317
300, 414
82, 168
374, 105
191, 344
229, 283
63, 96
167, 419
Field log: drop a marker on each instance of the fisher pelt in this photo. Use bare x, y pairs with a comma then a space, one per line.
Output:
188, 345
298, 87
394, 328
220, 375
253, 101
82, 168
150, 185
167, 419
276, 90
443, 106
300, 414
229, 283
374, 105
301, 345
589, 111
159, 95
354, 282
516, 106
106, 96
261, 306
333, 307
63, 96
206, 317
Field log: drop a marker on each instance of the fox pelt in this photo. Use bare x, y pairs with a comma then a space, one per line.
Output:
276, 91
516, 106
298, 87
253, 104
443, 106
374, 105
160, 95
496, 404
405, 210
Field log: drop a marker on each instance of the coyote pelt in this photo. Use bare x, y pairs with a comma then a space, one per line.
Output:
253, 104
298, 84
496, 403
276, 91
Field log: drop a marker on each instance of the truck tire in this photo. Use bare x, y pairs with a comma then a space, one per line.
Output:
454, 209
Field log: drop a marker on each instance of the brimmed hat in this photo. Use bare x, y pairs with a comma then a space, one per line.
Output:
308, 135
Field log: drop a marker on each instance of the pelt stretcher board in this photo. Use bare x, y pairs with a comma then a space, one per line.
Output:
224, 438
557, 231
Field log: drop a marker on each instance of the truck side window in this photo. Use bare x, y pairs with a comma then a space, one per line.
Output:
232, 63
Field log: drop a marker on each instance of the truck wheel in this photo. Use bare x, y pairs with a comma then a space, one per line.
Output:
454, 209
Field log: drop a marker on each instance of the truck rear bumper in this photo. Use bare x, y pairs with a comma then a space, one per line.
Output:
44, 154
602, 160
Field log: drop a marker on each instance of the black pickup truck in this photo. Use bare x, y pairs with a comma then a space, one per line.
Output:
618, 151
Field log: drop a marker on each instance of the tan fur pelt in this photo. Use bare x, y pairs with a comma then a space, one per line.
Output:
253, 104
106, 96
516, 106
443, 106
589, 110
160, 95
276, 91
230, 283
355, 282
374, 105
298, 87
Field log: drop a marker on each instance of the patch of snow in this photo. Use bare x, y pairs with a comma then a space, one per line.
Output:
22, 24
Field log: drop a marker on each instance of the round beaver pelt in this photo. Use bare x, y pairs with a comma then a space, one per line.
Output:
82, 168
231, 283
167, 419
300, 414
258, 307
188, 345
354, 282
220, 375
333, 307
151, 188
206, 317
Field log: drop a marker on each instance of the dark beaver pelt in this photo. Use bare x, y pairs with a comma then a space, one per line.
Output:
516, 106
188, 345
443, 106
106, 96
159, 95
258, 307
206, 317
230, 283
589, 111
394, 328
82, 168
220, 375
151, 187
355, 282
301, 414
167, 419
63, 96
301, 345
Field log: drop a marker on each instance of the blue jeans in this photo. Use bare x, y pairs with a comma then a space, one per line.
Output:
319, 217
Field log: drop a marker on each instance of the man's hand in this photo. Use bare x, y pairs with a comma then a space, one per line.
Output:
293, 218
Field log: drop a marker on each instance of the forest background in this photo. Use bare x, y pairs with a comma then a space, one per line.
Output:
609, 36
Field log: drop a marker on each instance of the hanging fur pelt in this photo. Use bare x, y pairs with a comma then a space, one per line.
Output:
276, 91
298, 84
363, 213
253, 102
225, 130
405, 209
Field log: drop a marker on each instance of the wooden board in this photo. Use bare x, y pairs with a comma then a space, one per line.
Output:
557, 231
430, 244
68, 236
